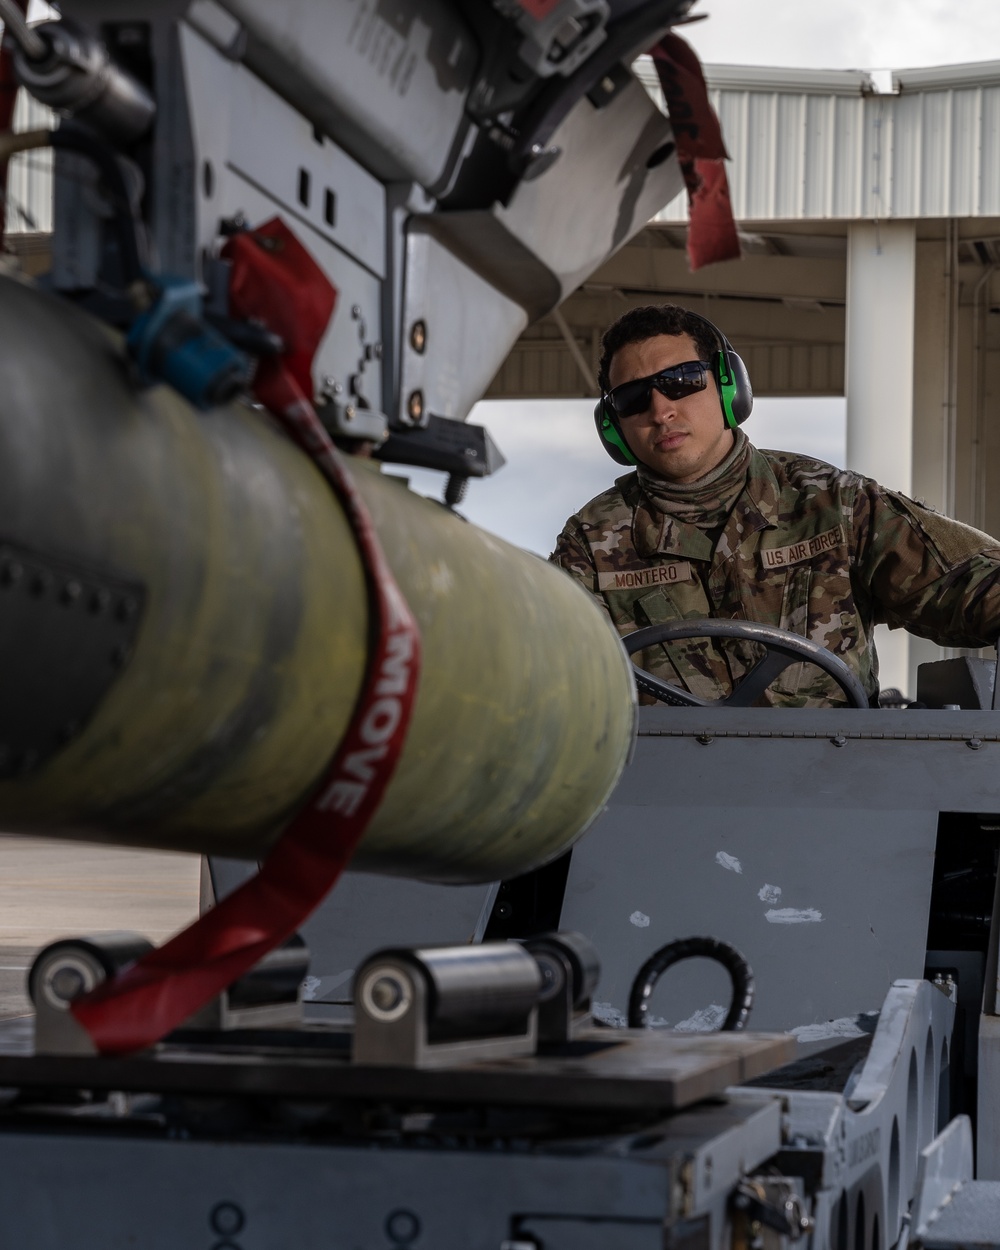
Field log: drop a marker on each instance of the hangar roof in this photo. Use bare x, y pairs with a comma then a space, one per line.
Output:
812, 145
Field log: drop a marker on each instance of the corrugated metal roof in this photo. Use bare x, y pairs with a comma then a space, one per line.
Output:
968, 75
821, 144
775, 78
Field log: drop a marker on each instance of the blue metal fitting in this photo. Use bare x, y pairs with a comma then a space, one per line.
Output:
171, 343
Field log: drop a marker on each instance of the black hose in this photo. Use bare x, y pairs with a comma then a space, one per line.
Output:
740, 974
34, 47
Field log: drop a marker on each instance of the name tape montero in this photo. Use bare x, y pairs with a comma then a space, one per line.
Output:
635, 579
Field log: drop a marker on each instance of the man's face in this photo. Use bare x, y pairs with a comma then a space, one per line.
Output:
680, 439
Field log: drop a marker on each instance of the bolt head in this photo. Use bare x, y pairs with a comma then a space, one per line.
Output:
67, 983
387, 993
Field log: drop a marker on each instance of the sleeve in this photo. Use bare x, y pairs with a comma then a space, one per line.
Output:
572, 553
934, 576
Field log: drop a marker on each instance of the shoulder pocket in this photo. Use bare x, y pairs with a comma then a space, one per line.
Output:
953, 542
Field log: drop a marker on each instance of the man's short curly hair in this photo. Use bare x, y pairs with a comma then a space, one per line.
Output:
645, 323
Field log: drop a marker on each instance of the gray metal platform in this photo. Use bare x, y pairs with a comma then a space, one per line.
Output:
970, 1220
87, 1186
805, 838
625, 1071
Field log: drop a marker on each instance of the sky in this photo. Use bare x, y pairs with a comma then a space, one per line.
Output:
846, 34
554, 461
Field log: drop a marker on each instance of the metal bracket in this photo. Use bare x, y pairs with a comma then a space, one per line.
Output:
771, 1202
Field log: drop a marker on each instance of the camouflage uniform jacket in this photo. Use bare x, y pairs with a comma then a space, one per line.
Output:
816, 550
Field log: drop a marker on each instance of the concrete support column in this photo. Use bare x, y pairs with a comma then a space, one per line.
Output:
881, 276
936, 379
936, 372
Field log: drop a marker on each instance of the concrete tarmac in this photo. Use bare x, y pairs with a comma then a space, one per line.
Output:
51, 889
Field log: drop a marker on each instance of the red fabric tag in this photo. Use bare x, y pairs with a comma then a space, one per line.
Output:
712, 234
712, 230
276, 281
538, 9
165, 987
696, 128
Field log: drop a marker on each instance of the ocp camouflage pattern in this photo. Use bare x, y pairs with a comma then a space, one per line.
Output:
813, 549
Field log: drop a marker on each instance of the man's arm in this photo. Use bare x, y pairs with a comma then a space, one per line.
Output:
573, 554
937, 577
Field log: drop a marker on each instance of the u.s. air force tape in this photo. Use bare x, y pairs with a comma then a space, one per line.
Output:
795, 553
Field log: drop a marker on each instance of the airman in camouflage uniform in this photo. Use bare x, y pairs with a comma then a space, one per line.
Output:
788, 541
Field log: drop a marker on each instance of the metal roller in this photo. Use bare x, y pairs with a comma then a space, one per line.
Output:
570, 971
478, 987
65, 969
569, 965
183, 634
421, 1007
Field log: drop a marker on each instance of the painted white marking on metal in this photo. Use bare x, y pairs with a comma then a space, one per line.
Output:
314, 987
846, 1026
639, 919
793, 915
728, 861
769, 893
705, 1020
608, 1015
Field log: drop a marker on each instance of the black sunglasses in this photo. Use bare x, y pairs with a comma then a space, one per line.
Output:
632, 398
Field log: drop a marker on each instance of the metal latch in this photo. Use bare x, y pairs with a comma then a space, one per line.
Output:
769, 1202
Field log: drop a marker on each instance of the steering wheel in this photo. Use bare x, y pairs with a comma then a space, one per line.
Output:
781, 649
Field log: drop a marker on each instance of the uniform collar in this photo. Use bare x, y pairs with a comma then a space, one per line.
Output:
756, 508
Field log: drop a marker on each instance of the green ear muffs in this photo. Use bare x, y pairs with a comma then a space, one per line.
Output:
733, 381
610, 434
